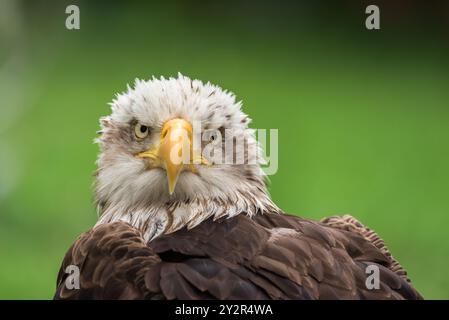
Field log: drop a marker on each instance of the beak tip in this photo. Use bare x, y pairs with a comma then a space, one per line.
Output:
172, 178
171, 187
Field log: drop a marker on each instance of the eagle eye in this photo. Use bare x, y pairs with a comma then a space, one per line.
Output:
141, 131
213, 136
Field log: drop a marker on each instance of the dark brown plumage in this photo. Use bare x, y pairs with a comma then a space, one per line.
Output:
269, 256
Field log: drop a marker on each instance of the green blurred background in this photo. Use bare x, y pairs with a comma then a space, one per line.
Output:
363, 116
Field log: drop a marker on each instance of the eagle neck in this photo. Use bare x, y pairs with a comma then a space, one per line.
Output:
156, 219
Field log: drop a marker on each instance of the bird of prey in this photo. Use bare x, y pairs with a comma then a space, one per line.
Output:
205, 228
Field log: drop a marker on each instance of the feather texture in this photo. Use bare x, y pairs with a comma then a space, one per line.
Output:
267, 256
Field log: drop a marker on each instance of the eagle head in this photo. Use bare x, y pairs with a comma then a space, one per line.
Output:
174, 152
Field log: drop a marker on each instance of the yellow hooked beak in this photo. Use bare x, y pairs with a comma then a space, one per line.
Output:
175, 151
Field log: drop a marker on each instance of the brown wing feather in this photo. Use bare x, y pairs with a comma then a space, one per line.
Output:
270, 256
113, 260
351, 224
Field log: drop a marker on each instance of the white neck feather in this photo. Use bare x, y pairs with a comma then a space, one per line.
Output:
166, 218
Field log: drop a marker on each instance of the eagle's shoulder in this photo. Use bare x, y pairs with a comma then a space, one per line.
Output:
353, 247
106, 258
351, 224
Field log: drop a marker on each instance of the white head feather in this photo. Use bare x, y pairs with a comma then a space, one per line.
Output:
127, 190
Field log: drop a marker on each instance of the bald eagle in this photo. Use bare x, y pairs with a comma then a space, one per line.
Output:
205, 229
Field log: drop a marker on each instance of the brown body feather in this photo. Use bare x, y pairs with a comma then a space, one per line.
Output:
268, 256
